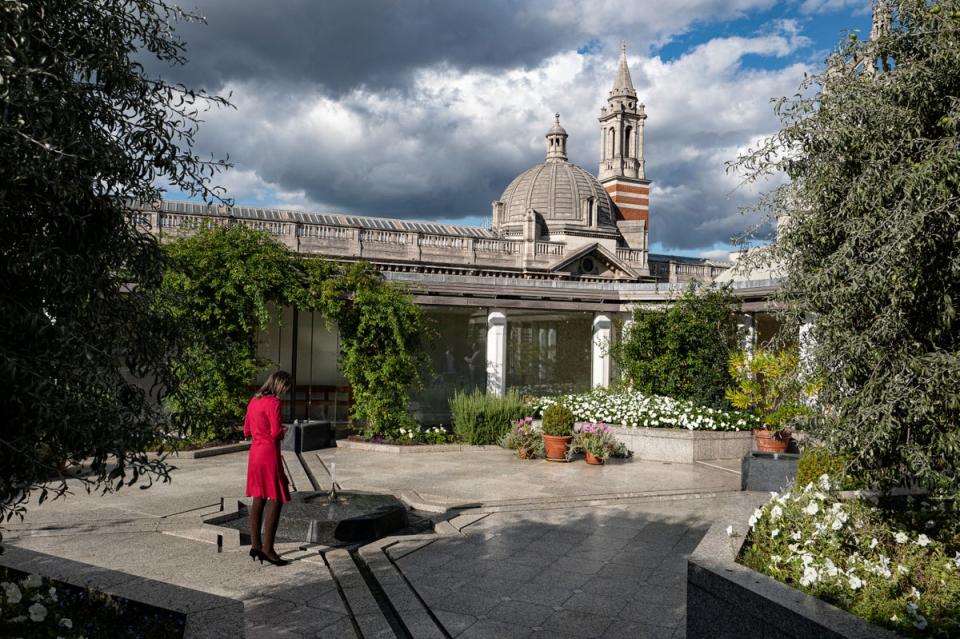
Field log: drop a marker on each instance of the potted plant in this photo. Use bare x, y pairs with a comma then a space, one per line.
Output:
525, 438
769, 384
558, 423
595, 440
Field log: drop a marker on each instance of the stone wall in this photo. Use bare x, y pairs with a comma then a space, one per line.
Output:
684, 446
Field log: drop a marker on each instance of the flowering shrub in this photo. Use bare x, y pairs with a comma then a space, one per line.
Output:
33, 606
595, 438
413, 435
634, 409
525, 438
856, 556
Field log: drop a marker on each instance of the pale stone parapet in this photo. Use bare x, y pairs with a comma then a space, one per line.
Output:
600, 351
496, 351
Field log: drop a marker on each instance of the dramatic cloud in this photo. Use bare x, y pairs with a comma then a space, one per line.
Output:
428, 110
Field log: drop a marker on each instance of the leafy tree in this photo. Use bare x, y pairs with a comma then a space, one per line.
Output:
682, 351
870, 241
382, 337
83, 130
219, 286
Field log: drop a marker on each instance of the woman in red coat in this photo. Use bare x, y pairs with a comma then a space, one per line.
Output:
266, 481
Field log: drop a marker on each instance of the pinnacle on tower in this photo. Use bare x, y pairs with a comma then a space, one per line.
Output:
623, 84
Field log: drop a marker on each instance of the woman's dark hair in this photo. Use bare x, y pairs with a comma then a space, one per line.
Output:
276, 385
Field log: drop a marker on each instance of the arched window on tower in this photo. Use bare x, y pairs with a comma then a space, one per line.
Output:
612, 143
628, 143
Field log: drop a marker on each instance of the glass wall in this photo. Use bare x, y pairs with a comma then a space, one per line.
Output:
321, 391
458, 358
548, 352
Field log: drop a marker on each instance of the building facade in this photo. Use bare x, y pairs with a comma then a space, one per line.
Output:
531, 303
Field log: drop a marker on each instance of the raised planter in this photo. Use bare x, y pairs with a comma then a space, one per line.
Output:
213, 451
312, 435
683, 446
768, 471
207, 616
396, 449
726, 600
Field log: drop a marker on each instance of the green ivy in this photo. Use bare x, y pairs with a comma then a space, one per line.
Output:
222, 283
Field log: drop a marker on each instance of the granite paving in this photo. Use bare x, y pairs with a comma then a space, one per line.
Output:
548, 550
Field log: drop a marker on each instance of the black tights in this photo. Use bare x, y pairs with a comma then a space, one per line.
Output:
269, 526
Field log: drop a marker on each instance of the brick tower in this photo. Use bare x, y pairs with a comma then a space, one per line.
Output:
621, 157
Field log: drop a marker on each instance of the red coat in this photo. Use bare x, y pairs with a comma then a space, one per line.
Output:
265, 476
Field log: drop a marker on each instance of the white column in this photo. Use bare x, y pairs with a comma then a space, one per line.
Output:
600, 352
749, 334
496, 351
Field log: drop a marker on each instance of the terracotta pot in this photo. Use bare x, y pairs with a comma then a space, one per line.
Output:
556, 447
596, 461
767, 442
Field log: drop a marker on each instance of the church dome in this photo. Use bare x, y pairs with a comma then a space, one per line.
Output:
559, 192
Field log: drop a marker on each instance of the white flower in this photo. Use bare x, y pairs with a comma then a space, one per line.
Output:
901, 538
830, 567
730, 534
775, 513
794, 548
776, 559
53, 593
12, 592
38, 612
923, 540
33, 581
774, 533
902, 569
914, 592
824, 481
812, 508
920, 623
66, 623
839, 520
795, 535
810, 576
873, 543
755, 517
956, 560
855, 582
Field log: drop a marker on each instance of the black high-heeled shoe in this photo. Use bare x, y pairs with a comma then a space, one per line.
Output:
256, 554
275, 562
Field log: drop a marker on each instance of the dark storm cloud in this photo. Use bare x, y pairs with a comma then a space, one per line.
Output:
340, 44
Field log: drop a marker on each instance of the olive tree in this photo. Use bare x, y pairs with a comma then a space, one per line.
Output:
84, 130
869, 240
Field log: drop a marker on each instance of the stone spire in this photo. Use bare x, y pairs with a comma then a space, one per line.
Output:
556, 141
623, 84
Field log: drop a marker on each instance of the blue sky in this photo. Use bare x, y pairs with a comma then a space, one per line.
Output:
427, 110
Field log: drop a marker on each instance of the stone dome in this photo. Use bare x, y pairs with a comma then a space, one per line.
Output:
560, 192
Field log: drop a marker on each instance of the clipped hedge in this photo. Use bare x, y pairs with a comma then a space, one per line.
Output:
482, 419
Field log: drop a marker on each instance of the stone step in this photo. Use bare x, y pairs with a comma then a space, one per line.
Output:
296, 473
361, 604
413, 614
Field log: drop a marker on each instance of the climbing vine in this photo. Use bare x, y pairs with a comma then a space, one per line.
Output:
222, 285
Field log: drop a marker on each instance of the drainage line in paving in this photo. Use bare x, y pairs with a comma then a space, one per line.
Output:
389, 612
343, 596
310, 475
416, 594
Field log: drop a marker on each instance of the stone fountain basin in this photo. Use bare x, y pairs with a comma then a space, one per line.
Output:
351, 517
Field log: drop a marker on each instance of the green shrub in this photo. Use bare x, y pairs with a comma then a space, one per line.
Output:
682, 351
558, 420
479, 418
769, 384
817, 461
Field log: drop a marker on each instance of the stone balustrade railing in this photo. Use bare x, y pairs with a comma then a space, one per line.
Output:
632, 255
552, 249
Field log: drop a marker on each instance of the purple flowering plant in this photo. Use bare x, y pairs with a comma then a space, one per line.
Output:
524, 438
595, 438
